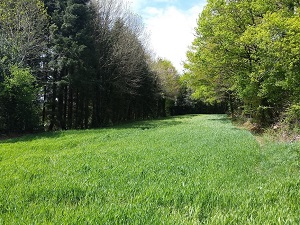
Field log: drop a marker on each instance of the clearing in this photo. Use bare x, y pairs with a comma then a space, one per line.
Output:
196, 169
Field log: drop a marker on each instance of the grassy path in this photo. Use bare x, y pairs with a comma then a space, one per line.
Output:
184, 170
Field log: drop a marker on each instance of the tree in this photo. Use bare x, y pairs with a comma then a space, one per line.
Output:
71, 45
23, 30
23, 26
89, 61
241, 53
19, 109
216, 57
123, 73
168, 79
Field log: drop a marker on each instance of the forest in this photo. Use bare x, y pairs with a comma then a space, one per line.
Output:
77, 64
246, 53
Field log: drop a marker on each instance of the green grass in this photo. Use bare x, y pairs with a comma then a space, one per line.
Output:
183, 170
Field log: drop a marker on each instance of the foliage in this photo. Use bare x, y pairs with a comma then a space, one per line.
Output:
89, 59
143, 173
292, 117
23, 41
100, 73
246, 53
186, 104
23, 32
168, 77
18, 101
169, 85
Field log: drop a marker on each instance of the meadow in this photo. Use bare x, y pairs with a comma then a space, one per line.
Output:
197, 169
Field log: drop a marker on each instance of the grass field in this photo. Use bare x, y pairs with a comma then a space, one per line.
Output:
183, 170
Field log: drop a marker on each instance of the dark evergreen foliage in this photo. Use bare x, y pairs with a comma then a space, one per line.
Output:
93, 71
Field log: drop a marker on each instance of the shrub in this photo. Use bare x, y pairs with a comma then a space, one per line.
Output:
19, 111
292, 117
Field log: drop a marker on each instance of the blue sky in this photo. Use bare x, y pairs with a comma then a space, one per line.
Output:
170, 24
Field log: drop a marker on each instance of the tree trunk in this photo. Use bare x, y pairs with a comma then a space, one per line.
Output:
53, 103
86, 113
60, 107
65, 102
44, 104
70, 108
231, 105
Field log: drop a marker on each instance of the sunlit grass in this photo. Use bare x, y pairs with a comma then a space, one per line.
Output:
184, 170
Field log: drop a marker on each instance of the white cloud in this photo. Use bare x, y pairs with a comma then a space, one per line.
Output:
138, 3
171, 31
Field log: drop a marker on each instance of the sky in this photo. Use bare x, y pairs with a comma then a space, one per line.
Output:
170, 24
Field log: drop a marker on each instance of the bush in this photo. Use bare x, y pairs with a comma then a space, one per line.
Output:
19, 111
292, 117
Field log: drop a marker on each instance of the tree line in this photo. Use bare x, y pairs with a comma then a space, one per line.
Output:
77, 64
246, 53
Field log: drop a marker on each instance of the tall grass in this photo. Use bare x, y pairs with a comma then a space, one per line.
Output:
184, 170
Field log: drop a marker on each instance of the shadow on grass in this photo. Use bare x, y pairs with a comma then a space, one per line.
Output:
143, 125
223, 118
151, 124
30, 137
